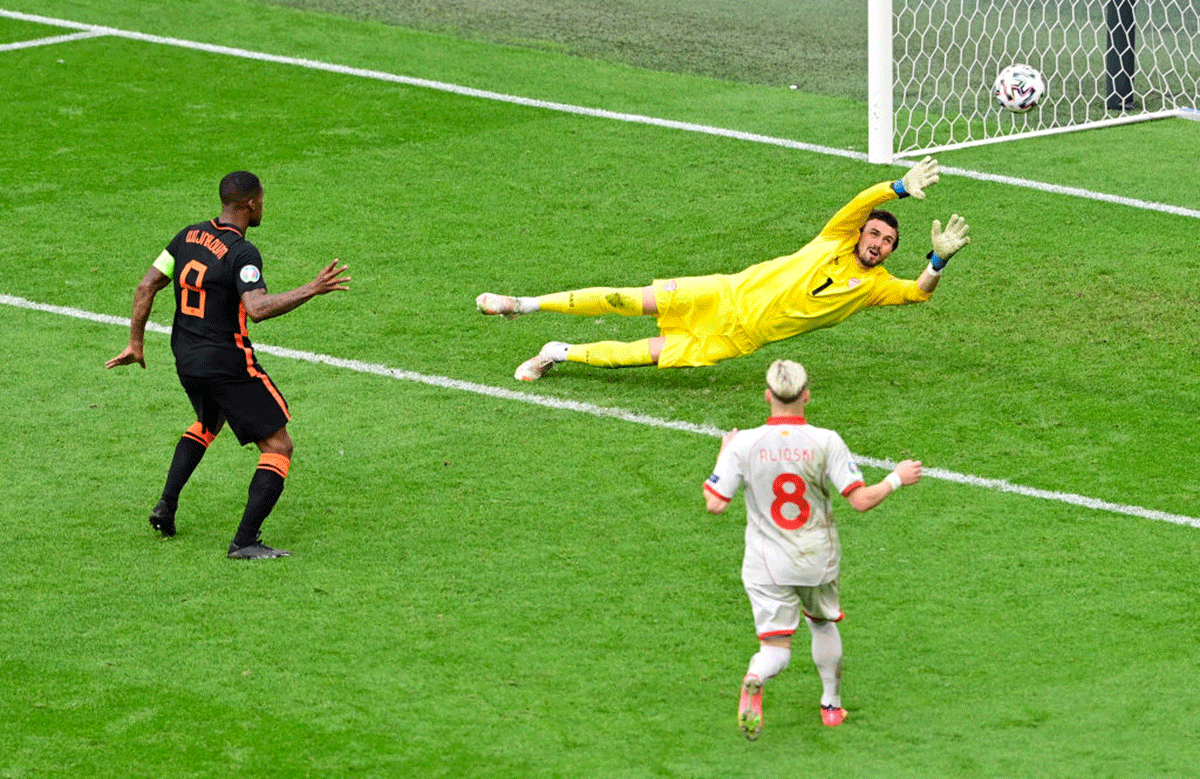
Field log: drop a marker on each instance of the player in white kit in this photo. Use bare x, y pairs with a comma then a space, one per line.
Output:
791, 471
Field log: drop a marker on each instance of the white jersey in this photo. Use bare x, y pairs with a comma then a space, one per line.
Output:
790, 470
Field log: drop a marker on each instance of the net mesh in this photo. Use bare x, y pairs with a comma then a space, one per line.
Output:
946, 54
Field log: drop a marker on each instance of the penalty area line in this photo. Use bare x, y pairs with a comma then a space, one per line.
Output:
444, 382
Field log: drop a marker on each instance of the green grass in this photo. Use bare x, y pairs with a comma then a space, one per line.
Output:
487, 588
819, 45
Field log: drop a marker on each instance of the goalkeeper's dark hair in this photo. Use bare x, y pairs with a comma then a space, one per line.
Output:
239, 186
888, 218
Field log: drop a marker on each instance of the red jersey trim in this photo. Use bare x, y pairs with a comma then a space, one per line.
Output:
841, 615
853, 487
786, 420
775, 634
714, 493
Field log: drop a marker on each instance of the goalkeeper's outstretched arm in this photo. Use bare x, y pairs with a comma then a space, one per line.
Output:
919, 176
946, 244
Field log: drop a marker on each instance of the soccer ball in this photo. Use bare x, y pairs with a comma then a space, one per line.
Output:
1019, 88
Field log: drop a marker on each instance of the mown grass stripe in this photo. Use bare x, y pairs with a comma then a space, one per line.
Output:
560, 404
598, 113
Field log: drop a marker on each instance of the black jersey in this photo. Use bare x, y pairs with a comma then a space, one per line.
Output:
214, 265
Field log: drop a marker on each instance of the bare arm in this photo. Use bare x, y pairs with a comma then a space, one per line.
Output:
712, 501
143, 304
867, 498
261, 305
928, 280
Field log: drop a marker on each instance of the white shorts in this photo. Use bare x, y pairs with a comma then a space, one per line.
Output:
777, 607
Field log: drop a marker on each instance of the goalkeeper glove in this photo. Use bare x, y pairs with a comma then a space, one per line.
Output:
918, 177
947, 242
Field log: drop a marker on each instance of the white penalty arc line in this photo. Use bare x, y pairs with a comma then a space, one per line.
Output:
598, 113
444, 382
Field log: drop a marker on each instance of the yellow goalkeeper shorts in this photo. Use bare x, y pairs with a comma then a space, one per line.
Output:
698, 320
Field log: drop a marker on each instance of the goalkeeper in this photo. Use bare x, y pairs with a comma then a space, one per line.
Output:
703, 320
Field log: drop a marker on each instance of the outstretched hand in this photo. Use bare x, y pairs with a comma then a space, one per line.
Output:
330, 279
127, 357
946, 242
919, 176
909, 472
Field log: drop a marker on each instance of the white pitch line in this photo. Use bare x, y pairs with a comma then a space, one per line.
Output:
88, 31
77, 36
444, 382
598, 113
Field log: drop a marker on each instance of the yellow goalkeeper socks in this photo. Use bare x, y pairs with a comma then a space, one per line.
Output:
594, 301
612, 354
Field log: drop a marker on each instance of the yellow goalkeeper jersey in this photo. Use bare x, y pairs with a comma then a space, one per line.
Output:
821, 284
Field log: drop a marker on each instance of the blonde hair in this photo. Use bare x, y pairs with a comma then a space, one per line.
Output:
787, 380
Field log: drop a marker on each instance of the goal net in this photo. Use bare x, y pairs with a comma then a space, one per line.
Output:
932, 64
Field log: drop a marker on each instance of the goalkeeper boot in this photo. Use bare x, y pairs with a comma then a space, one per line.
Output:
750, 716
162, 518
504, 305
537, 366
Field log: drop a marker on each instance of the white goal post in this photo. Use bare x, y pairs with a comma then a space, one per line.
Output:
931, 64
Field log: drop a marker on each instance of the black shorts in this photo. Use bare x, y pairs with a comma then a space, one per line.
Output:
253, 407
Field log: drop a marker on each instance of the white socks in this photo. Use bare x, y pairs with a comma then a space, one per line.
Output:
555, 350
827, 654
769, 661
527, 305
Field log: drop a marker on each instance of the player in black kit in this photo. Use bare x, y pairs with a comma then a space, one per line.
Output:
218, 282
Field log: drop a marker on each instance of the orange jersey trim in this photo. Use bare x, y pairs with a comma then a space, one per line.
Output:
254, 372
218, 226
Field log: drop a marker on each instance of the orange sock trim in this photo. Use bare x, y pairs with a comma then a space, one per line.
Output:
198, 434
275, 462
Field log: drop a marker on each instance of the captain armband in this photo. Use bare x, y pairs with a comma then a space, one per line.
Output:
165, 263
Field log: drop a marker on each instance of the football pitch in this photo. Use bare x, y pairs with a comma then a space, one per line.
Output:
495, 579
